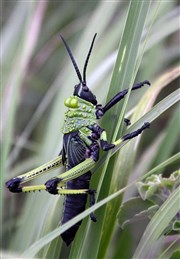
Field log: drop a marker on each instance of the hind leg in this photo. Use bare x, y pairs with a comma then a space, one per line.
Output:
92, 202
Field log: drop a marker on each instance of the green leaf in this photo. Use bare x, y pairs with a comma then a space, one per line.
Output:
157, 224
146, 191
135, 209
170, 161
156, 184
175, 255
176, 225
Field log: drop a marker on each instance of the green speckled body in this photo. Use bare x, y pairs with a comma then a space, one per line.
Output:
79, 115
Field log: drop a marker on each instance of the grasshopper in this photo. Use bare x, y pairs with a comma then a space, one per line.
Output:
82, 140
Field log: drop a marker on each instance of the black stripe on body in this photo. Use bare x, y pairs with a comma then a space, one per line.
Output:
74, 204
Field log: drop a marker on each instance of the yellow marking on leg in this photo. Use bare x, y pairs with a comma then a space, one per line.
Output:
41, 187
103, 135
118, 142
67, 191
34, 188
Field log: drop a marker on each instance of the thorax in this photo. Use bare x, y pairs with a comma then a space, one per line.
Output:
80, 114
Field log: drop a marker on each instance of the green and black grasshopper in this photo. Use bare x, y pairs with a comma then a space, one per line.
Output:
82, 140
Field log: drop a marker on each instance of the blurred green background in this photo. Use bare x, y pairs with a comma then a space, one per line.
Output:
36, 77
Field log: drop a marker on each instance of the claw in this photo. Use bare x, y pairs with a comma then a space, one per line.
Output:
146, 125
146, 82
127, 121
93, 218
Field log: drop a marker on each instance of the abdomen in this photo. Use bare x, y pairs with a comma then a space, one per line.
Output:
75, 150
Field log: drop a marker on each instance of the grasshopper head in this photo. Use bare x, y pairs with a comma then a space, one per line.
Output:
81, 90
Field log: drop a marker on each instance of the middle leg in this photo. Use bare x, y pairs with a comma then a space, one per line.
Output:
133, 134
99, 133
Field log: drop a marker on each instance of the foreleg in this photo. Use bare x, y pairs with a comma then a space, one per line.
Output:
122, 94
102, 110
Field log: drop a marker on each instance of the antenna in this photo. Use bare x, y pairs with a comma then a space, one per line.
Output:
72, 59
87, 59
